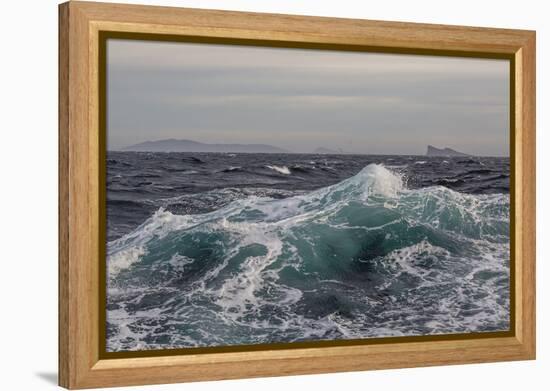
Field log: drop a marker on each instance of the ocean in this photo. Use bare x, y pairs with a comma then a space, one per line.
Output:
221, 249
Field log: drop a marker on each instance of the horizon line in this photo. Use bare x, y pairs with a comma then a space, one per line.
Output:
287, 151
313, 153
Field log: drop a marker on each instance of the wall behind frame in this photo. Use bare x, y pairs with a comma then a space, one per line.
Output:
28, 200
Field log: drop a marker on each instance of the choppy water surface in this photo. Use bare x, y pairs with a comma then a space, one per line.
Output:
231, 249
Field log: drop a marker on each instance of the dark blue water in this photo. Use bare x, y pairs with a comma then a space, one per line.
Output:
228, 249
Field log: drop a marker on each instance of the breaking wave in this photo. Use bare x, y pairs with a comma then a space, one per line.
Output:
365, 257
281, 170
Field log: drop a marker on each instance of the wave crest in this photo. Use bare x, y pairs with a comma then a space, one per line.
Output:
317, 265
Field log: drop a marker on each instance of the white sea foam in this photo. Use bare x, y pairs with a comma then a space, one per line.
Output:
179, 261
233, 168
244, 290
381, 181
123, 259
372, 180
407, 257
280, 169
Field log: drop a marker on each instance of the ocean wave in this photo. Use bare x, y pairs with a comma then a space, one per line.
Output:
302, 168
280, 169
480, 171
364, 257
232, 169
193, 160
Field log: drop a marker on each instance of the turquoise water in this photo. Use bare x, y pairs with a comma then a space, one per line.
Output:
365, 257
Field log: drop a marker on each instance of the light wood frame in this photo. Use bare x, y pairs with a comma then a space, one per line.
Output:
80, 192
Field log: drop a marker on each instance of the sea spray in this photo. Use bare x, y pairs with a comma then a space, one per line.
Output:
365, 257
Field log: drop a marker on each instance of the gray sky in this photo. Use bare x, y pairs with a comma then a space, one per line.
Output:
301, 99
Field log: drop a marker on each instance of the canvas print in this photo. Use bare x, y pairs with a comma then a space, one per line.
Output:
261, 195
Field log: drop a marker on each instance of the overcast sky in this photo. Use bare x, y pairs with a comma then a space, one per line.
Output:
301, 99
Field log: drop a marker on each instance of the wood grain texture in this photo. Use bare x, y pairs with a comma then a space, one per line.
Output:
123, 17
63, 178
80, 203
527, 188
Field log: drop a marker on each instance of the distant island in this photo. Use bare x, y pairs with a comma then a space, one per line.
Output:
433, 151
183, 145
327, 151
173, 145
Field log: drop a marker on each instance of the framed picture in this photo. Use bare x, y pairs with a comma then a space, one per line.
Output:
247, 195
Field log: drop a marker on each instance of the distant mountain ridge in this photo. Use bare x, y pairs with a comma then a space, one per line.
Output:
433, 151
326, 151
174, 145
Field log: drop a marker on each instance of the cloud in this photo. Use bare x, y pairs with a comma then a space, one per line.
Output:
302, 99
137, 54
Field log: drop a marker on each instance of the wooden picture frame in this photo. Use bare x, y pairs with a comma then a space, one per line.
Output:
81, 194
